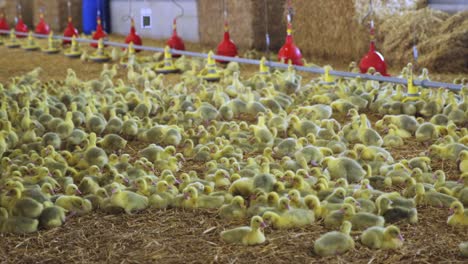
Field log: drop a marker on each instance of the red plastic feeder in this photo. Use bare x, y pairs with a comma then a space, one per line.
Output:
70, 31
226, 47
21, 27
133, 36
289, 51
42, 27
373, 58
3, 24
99, 33
176, 42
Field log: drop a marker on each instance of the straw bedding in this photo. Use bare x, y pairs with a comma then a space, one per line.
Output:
177, 236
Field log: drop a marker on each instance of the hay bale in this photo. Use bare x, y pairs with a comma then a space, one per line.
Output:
385, 8
335, 29
322, 30
447, 51
399, 33
246, 19
10, 10
56, 13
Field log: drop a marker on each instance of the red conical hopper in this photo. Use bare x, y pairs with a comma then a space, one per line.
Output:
3, 24
289, 51
373, 58
175, 42
42, 27
99, 33
21, 27
70, 31
226, 47
133, 36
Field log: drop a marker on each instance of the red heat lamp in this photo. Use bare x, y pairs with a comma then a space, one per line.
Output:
175, 42
226, 47
42, 27
70, 31
133, 36
21, 27
3, 24
373, 58
99, 33
289, 51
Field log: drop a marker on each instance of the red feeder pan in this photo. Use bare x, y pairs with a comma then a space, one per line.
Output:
289, 51
21, 27
3, 24
133, 36
42, 27
373, 59
99, 33
226, 47
175, 42
70, 31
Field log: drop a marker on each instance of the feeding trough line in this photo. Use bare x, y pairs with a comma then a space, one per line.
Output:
421, 83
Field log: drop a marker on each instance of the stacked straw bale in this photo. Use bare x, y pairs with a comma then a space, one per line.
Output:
56, 13
247, 23
9, 7
339, 30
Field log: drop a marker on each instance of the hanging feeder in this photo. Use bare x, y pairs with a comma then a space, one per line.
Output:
70, 31
21, 27
226, 47
133, 37
175, 42
3, 24
99, 33
289, 51
373, 58
42, 27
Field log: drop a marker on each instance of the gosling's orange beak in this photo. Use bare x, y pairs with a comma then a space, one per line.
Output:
263, 225
451, 211
401, 237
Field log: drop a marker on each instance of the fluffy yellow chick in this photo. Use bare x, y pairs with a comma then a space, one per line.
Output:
361, 220
459, 215
334, 242
74, 204
16, 224
432, 198
235, 210
378, 237
463, 161
52, 216
343, 167
292, 218
395, 214
24, 206
246, 235
129, 201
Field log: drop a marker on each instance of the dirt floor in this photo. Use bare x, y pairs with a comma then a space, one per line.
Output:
177, 236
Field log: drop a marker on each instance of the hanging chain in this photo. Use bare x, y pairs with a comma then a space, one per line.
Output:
267, 34
182, 11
